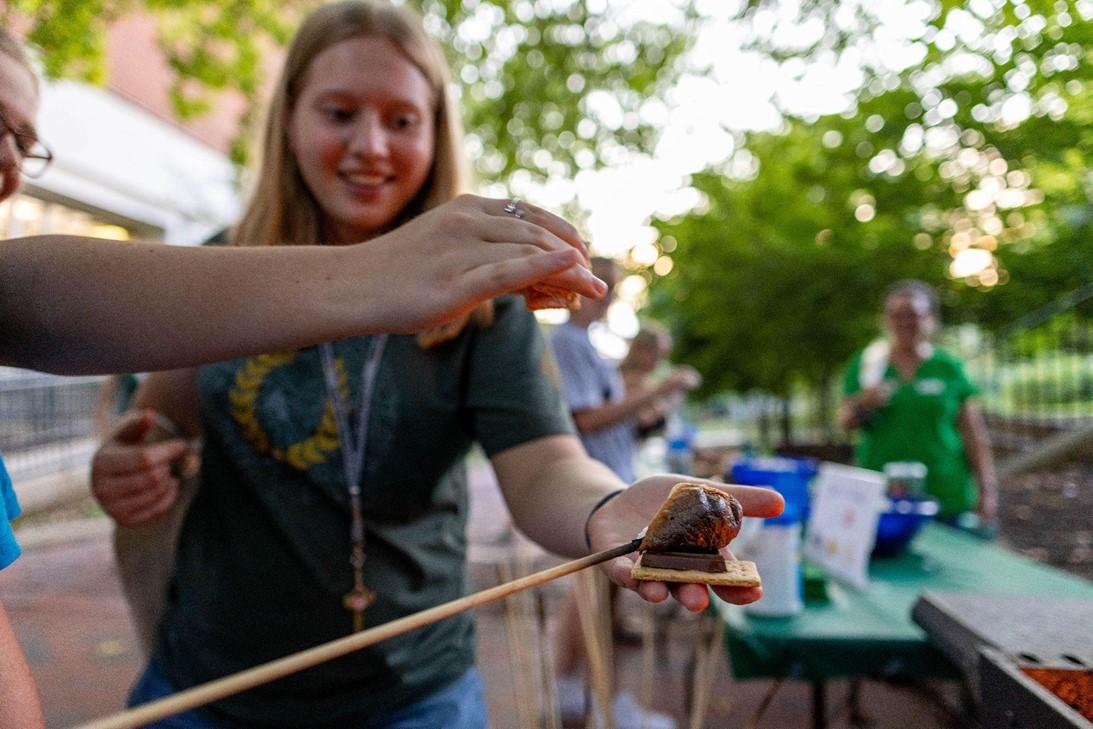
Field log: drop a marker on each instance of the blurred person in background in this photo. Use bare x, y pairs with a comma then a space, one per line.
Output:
606, 413
647, 353
911, 401
608, 416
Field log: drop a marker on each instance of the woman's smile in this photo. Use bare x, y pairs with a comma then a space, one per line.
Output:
363, 141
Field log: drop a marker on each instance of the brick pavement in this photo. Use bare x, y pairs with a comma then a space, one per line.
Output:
66, 605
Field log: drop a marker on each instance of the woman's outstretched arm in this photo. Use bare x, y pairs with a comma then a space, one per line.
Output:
79, 305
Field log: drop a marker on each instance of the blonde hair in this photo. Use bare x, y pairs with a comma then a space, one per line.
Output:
282, 209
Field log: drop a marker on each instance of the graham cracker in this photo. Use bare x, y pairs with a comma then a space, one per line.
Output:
740, 574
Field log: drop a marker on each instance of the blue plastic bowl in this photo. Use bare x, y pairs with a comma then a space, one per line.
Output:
900, 523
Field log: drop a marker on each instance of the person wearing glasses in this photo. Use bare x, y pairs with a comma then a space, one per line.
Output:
76, 305
911, 401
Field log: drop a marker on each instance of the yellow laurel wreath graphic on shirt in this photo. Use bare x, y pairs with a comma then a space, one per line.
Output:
243, 399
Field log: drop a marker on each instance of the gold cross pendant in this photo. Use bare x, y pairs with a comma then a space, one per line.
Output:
356, 602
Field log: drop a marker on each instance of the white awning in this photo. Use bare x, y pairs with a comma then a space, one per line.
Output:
110, 155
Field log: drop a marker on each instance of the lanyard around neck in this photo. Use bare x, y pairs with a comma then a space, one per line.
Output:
360, 597
353, 449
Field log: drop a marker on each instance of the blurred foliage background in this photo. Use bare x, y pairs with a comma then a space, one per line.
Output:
967, 166
528, 72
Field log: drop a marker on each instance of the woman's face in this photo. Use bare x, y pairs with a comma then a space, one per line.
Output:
18, 107
648, 352
363, 134
908, 318
644, 359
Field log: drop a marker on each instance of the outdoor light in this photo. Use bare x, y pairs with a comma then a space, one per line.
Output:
969, 262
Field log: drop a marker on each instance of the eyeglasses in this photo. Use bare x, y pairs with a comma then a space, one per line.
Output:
35, 156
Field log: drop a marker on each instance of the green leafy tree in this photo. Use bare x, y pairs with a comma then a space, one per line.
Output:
999, 97
547, 87
981, 144
779, 275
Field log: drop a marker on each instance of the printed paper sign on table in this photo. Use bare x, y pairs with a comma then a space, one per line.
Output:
843, 524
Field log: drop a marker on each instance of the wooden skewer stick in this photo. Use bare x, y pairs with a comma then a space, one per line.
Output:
237, 682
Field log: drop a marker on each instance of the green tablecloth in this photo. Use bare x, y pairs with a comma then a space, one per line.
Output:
869, 633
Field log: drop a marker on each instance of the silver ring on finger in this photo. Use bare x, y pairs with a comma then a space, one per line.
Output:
512, 207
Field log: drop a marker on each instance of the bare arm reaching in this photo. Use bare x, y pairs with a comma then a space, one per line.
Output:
77, 305
977, 444
589, 420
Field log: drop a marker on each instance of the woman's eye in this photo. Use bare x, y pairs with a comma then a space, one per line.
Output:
404, 121
338, 115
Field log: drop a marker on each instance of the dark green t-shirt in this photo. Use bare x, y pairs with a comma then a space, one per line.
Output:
920, 423
263, 560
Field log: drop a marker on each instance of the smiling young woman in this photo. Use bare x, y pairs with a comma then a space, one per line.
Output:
333, 485
76, 305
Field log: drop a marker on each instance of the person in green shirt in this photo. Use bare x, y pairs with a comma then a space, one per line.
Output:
911, 401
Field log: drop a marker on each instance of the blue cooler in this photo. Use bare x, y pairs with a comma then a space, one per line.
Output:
788, 476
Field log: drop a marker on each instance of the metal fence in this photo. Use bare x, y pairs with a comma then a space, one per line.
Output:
46, 421
1035, 379
1036, 375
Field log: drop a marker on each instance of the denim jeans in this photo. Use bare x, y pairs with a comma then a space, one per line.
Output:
462, 705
